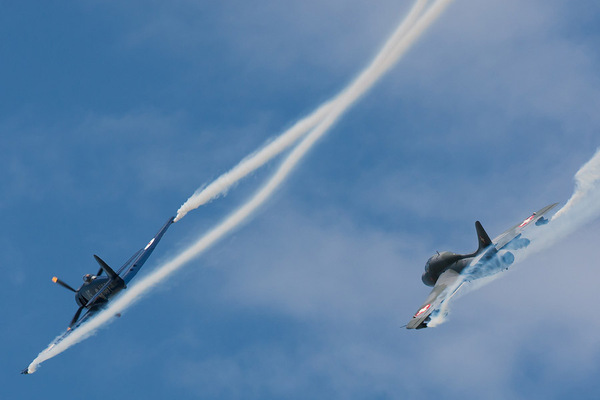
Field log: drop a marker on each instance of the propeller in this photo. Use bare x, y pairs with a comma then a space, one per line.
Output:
78, 312
76, 316
61, 283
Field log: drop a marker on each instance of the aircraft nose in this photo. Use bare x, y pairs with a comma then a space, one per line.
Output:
25, 371
427, 279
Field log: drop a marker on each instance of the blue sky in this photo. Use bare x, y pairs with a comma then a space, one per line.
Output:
112, 114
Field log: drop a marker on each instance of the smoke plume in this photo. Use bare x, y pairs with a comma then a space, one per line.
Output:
319, 121
329, 112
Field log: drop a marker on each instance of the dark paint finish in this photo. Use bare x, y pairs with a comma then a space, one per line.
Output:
97, 290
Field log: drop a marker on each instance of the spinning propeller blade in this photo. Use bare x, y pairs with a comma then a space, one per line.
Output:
61, 283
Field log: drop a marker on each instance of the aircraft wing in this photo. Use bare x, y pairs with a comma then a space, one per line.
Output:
516, 230
133, 265
438, 295
88, 314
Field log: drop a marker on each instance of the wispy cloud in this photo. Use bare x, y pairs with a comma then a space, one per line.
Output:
406, 34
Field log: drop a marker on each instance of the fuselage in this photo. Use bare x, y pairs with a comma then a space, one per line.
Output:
488, 260
89, 289
443, 261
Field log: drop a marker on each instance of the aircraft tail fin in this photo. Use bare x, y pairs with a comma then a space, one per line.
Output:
482, 237
109, 271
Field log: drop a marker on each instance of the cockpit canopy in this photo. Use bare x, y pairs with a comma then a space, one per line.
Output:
87, 278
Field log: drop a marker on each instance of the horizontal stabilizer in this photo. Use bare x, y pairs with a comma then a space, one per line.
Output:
111, 274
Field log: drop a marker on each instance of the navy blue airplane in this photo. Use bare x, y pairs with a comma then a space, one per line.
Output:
97, 290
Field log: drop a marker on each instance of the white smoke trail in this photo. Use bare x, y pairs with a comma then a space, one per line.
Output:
135, 292
584, 202
583, 207
251, 163
386, 57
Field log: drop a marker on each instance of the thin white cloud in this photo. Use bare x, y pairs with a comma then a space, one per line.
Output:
511, 67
